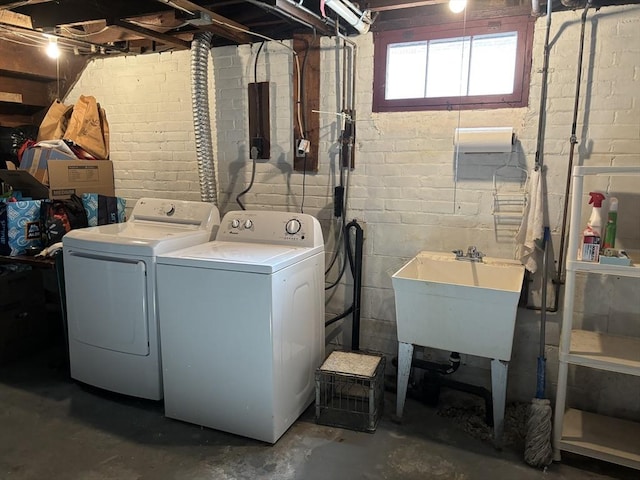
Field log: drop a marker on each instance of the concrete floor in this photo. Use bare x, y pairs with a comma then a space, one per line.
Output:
54, 428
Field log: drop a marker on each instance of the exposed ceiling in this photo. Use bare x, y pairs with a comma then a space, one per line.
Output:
87, 28
140, 26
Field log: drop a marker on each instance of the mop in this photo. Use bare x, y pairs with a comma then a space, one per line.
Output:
538, 451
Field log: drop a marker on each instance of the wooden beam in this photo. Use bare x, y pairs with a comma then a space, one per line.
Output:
151, 34
31, 92
307, 45
386, 5
306, 18
259, 114
16, 120
21, 59
13, 18
21, 3
438, 15
72, 12
222, 26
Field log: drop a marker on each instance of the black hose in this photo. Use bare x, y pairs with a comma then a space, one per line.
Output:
254, 156
254, 150
339, 317
355, 263
357, 285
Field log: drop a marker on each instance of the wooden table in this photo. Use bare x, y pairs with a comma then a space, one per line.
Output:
36, 262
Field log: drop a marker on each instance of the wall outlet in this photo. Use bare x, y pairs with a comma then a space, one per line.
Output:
303, 147
258, 144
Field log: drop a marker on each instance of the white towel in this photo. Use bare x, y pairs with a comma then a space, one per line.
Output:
531, 229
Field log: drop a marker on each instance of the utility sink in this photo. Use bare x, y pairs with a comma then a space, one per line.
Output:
458, 305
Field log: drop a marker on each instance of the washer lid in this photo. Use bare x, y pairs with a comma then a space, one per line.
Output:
141, 238
239, 256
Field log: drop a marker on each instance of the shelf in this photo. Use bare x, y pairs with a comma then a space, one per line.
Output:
609, 439
606, 170
604, 269
605, 438
606, 352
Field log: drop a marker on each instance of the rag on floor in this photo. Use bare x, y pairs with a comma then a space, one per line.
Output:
531, 232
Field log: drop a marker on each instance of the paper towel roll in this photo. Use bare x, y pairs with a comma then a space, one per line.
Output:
484, 139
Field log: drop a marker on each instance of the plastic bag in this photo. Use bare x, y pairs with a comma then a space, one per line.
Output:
61, 216
103, 210
20, 226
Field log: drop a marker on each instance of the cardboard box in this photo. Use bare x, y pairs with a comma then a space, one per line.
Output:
35, 160
66, 177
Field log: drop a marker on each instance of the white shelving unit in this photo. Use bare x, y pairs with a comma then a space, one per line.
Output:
598, 436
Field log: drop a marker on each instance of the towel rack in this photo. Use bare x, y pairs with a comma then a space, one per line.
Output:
509, 198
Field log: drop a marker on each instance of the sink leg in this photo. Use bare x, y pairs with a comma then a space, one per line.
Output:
405, 356
499, 394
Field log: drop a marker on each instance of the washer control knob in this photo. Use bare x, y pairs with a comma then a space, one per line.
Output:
248, 224
293, 226
170, 209
235, 223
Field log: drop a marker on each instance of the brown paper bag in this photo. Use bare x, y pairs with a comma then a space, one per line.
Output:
104, 125
55, 121
87, 127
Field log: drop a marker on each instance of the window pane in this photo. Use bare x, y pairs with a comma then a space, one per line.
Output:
406, 70
493, 62
448, 67
483, 63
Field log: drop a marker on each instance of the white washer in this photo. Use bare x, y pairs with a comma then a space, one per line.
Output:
242, 322
111, 292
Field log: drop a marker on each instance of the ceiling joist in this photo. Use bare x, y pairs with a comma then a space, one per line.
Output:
150, 34
220, 25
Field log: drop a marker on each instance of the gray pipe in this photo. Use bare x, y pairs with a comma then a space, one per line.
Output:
200, 49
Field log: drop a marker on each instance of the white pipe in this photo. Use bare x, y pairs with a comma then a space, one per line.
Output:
535, 8
351, 14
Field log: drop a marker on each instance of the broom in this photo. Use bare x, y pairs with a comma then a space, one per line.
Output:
538, 451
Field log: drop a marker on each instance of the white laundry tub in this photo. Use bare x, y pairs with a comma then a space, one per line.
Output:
461, 306
458, 305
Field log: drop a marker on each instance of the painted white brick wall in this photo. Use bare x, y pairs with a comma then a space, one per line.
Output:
148, 104
403, 185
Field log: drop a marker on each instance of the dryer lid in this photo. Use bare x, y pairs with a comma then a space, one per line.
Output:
239, 256
135, 238
155, 226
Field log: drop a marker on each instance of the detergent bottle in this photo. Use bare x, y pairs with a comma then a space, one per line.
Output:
590, 251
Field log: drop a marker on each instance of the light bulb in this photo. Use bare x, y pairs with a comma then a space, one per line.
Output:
456, 6
52, 49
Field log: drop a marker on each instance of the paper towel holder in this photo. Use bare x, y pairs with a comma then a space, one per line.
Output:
484, 139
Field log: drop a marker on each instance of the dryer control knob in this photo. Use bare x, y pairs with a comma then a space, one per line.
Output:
235, 223
248, 224
293, 226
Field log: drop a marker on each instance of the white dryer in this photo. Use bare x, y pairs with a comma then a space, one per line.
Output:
242, 322
110, 273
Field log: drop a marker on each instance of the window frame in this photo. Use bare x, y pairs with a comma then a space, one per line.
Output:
524, 25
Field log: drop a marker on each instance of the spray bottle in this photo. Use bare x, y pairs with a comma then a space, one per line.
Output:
591, 236
610, 228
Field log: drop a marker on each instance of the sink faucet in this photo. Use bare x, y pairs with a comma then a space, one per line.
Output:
473, 254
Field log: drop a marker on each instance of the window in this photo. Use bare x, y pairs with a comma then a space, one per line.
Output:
482, 64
